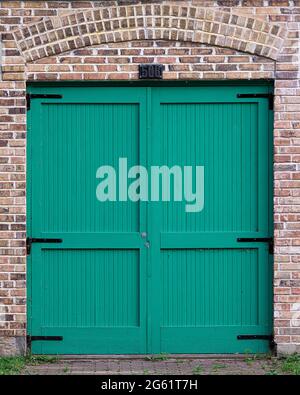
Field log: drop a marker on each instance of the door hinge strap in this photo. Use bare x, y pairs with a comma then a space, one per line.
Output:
31, 240
269, 338
269, 96
30, 96
255, 337
30, 339
268, 240
44, 338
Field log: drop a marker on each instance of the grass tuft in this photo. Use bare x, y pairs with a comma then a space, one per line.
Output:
291, 364
14, 365
11, 365
159, 357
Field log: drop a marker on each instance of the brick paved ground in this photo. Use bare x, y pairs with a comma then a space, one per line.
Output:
157, 366
196, 40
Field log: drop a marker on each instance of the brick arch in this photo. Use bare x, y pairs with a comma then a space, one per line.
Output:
103, 25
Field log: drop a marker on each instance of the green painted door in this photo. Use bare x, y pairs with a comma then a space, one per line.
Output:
209, 288
148, 276
90, 289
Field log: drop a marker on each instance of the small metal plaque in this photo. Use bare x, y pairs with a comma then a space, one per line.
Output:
151, 71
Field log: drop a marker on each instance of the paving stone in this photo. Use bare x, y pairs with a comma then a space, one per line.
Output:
177, 366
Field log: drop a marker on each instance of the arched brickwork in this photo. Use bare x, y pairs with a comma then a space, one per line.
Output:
56, 35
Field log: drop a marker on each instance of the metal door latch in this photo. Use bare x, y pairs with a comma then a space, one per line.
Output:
144, 236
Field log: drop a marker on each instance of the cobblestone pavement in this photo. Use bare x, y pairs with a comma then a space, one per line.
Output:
158, 366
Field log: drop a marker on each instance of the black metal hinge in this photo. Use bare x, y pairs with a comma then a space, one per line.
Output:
268, 240
269, 338
31, 240
30, 96
30, 339
268, 96
254, 337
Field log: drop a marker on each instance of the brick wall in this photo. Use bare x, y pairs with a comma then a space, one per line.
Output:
182, 60
236, 39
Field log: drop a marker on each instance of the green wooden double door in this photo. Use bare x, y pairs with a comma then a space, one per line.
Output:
146, 276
